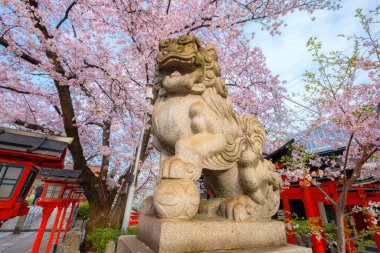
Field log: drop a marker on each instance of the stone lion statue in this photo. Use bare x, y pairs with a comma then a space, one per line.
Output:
197, 131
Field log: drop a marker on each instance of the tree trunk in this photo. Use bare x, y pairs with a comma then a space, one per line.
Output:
341, 239
98, 211
117, 213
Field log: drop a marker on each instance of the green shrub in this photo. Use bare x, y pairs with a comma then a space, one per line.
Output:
84, 210
101, 236
131, 231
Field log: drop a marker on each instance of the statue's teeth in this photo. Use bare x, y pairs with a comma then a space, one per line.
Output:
175, 73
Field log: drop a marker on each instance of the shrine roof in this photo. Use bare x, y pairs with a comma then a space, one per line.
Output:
67, 176
33, 143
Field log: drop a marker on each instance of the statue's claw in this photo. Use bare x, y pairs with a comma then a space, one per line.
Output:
176, 168
237, 208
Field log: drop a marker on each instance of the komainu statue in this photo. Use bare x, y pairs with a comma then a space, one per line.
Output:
197, 131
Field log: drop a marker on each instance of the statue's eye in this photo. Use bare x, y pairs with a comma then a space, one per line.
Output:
165, 43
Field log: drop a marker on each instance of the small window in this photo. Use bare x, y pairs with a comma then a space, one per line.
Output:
9, 177
66, 194
28, 183
53, 191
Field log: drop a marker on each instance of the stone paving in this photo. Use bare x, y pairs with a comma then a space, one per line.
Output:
22, 243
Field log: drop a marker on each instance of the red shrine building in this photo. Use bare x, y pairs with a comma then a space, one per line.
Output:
308, 201
22, 155
25, 156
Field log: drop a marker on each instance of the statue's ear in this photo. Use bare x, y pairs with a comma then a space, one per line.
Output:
221, 87
210, 53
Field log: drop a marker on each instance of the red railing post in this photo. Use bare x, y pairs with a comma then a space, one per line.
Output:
46, 211
311, 212
48, 246
73, 204
288, 219
59, 229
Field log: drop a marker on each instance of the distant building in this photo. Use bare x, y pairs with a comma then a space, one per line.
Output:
308, 201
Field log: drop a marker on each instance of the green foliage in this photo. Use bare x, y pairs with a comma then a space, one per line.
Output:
307, 226
313, 226
84, 210
131, 231
30, 200
101, 236
362, 239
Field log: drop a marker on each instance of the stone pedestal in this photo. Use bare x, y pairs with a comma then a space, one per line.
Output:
204, 234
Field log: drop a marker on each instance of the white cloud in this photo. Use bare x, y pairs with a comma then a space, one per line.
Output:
287, 54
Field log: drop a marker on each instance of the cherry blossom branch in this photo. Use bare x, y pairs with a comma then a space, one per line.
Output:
326, 195
23, 55
372, 152
346, 157
37, 127
106, 134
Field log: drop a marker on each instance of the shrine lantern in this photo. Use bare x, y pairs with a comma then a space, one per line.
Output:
22, 154
59, 186
53, 192
75, 195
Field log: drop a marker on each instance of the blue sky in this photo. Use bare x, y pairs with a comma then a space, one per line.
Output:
287, 54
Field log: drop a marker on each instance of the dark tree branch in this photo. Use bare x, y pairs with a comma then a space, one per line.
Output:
15, 90
92, 156
94, 123
56, 108
66, 14
168, 7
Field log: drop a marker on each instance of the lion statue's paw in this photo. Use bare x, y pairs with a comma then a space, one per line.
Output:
176, 168
240, 208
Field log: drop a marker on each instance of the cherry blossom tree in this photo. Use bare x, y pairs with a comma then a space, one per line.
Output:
344, 94
78, 68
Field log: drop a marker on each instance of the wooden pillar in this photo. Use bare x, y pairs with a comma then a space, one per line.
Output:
311, 212
59, 229
46, 212
20, 224
73, 204
288, 219
48, 246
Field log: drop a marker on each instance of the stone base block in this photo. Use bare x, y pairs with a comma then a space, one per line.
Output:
131, 244
205, 234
